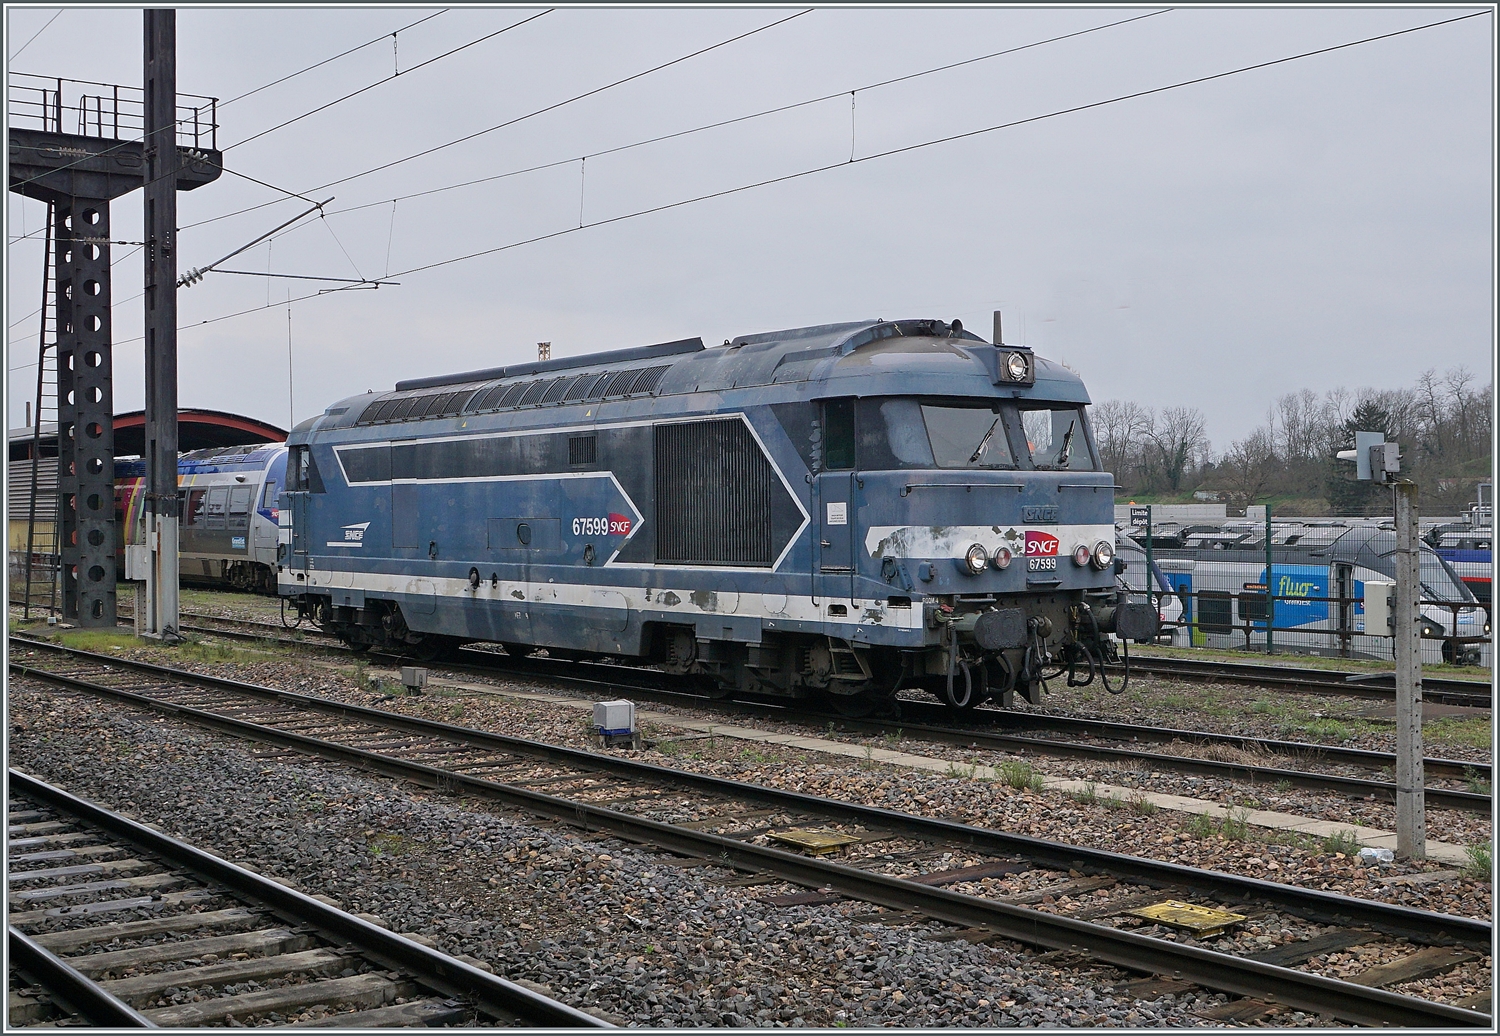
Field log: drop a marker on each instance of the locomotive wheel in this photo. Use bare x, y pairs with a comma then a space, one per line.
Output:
433, 647
855, 706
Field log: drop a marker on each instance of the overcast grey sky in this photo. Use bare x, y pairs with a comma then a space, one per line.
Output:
1322, 222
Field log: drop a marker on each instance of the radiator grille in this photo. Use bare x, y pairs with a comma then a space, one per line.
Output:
583, 449
714, 493
535, 393
574, 388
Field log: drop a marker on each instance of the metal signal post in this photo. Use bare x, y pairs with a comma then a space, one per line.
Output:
1380, 461
161, 321
1411, 805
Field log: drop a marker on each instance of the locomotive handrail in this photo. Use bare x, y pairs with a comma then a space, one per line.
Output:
967, 487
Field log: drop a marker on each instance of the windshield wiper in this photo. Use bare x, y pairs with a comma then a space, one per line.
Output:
1067, 445
979, 450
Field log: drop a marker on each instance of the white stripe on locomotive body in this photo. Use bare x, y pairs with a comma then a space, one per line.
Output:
339, 449
928, 542
768, 607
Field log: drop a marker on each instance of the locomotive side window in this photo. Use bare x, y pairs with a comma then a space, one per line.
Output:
1057, 439
268, 499
301, 473
296, 470
967, 437
838, 434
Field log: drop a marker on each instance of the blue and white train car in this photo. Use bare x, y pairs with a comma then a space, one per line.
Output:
837, 510
1224, 593
229, 518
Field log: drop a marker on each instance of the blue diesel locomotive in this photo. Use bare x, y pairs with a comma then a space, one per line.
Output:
838, 511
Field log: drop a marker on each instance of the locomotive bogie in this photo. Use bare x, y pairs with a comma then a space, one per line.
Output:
827, 511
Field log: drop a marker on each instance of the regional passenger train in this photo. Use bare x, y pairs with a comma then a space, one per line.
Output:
838, 510
1221, 578
227, 499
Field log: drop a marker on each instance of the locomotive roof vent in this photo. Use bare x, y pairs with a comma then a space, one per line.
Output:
641, 352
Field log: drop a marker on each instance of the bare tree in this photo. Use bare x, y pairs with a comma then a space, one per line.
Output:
1121, 429
1246, 468
1179, 442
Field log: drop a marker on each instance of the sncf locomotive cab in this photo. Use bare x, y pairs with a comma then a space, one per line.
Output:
838, 511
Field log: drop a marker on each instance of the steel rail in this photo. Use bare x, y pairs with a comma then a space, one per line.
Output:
1422, 926
499, 997
83, 996
1358, 787
1126, 950
1313, 681
1432, 765
967, 736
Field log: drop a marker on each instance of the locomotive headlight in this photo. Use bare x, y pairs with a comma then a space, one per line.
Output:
1002, 558
1104, 554
1081, 555
1015, 367
976, 558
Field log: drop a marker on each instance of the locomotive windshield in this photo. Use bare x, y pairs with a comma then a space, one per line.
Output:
1056, 439
967, 437
906, 432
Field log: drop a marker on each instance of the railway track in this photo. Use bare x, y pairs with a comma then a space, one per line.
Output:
1436, 689
978, 729
933, 722
114, 924
1379, 686
728, 825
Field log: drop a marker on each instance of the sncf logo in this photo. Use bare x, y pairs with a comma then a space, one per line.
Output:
1040, 544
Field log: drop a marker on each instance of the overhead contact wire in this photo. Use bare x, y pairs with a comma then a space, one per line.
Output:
841, 164
730, 122
387, 79
945, 140
518, 119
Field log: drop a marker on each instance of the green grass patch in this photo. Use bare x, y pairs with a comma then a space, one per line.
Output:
389, 844
1201, 826
1473, 732
1481, 863
1139, 803
1333, 729
1301, 661
1019, 774
1089, 796
201, 651
1236, 826
98, 640
1340, 842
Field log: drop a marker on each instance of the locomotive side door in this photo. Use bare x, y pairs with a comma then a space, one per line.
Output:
835, 540
836, 503
299, 529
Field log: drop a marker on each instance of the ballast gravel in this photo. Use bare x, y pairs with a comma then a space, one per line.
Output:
615, 929
1102, 823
